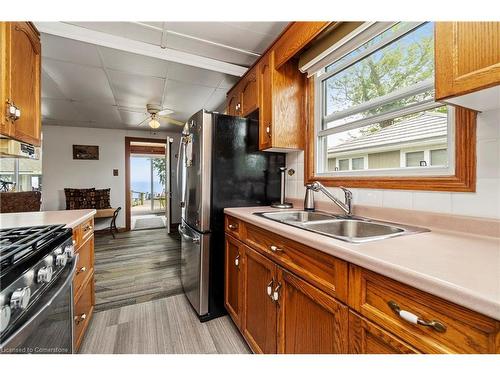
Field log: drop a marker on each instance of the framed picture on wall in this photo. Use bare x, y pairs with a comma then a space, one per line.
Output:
84, 152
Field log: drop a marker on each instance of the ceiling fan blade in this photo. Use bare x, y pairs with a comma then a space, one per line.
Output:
164, 111
143, 121
172, 121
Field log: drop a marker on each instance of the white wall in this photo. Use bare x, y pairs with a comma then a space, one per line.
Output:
485, 202
59, 170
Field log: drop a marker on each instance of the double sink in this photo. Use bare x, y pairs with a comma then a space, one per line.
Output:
352, 229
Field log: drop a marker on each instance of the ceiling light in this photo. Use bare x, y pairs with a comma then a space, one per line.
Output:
154, 124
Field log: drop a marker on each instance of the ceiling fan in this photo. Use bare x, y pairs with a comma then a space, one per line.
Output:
156, 114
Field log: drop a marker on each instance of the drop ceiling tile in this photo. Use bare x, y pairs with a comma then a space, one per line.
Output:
215, 100
50, 88
58, 109
98, 112
191, 74
133, 63
79, 82
223, 33
185, 97
69, 50
228, 82
132, 118
212, 51
128, 30
135, 90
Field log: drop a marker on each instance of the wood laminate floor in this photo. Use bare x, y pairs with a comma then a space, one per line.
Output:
137, 266
167, 325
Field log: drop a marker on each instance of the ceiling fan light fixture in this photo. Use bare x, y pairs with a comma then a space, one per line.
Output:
154, 123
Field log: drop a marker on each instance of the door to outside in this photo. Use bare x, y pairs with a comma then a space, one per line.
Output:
149, 186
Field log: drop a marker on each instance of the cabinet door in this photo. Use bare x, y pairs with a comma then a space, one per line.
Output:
259, 318
233, 290
249, 94
23, 53
265, 101
467, 57
309, 321
5, 122
233, 103
367, 338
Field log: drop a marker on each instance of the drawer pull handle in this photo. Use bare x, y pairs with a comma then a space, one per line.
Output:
87, 228
233, 226
275, 248
81, 270
414, 319
80, 318
237, 260
270, 289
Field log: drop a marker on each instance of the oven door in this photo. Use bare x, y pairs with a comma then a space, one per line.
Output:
49, 328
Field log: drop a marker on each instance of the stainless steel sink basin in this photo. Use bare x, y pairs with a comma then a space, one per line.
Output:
351, 229
297, 216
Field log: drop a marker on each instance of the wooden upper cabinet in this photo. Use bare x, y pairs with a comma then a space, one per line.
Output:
467, 57
234, 102
21, 58
233, 290
249, 93
265, 101
309, 320
367, 338
259, 320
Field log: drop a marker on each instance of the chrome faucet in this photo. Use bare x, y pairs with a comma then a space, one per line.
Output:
346, 206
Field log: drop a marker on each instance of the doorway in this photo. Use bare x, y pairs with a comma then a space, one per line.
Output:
147, 184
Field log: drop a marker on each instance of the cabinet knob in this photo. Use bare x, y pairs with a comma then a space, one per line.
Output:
237, 260
276, 293
275, 248
80, 318
268, 131
233, 226
13, 112
270, 289
81, 270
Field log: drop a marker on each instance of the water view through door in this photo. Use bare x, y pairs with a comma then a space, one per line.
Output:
147, 191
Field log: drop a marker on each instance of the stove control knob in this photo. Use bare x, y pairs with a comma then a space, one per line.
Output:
44, 275
20, 298
61, 260
69, 250
4, 317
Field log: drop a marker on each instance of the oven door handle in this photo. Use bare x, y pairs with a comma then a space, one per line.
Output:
41, 311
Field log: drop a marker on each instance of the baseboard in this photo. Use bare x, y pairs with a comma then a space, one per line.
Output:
106, 230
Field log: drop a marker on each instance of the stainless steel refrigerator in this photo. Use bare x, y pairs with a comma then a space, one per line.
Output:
219, 166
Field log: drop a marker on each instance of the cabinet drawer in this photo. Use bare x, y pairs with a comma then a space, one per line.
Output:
83, 309
233, 226
85, 264
367, 338
82, 232
463, 331
323, 271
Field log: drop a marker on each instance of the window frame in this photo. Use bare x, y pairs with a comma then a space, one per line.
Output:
462, 180
462, 177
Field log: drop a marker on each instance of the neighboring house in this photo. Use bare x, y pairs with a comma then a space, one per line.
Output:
419, 141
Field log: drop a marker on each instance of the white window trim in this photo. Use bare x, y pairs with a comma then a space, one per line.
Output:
321, 155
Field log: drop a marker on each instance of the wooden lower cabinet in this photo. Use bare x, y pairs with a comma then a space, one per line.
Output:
288, 299
367, 338
309, 320
282, 313
233, 290
259, 317
83, 308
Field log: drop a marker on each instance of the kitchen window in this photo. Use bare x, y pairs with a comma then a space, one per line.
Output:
377, 99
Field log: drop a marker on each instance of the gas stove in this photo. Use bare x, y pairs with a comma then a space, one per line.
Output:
32, 260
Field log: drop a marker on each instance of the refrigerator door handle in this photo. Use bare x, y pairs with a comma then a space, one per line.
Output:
188, 237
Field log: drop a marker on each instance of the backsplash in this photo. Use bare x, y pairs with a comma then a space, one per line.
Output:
485, 202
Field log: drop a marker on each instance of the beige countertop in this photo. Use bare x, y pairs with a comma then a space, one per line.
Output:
71, 218
456, 266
